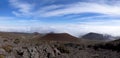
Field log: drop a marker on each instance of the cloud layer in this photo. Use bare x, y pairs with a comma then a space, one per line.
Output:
88, 6
75, 29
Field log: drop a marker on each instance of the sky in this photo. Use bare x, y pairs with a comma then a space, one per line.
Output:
70, 16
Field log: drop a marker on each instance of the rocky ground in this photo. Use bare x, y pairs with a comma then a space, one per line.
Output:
25, 46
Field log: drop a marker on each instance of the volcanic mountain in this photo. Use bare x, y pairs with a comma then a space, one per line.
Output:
59, 37
96, 36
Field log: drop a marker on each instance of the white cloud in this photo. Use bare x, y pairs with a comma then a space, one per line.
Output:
78, 29
84, 7
23, 8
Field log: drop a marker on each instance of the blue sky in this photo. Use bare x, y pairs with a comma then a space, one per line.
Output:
71, 16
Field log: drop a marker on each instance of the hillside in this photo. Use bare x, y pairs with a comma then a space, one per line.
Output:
52, 45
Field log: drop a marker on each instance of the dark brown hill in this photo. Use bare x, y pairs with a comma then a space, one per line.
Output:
96, 36
59, 37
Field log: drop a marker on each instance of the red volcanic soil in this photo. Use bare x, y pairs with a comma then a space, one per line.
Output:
59, 37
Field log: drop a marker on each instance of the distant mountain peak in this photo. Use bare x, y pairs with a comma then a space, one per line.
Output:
96, 36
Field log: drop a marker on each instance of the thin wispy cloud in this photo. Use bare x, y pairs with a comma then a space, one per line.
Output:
85, 7
91, 6
23, 8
